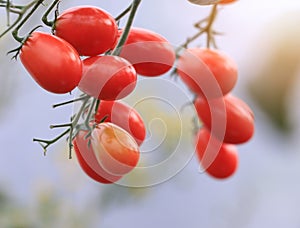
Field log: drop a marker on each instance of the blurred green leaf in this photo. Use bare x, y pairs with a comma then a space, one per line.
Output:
271, 87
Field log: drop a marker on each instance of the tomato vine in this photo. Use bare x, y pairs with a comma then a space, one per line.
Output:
207, 72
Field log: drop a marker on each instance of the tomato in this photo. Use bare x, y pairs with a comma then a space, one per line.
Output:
88, 161
107, 77
116, 150
124, 116
218, 159
239, 118
150, 53
226, 1
207, 72
52, 62
89, 29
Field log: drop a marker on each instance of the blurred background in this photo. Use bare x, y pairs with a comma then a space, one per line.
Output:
263, 36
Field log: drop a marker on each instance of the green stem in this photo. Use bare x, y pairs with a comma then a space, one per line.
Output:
46, 143
211, 20
123, 38
71, 101
16, 30
97, 105
90, 113
15, 11
20, 13
206, 29
8, 12
60, 125
121, 15
45, 16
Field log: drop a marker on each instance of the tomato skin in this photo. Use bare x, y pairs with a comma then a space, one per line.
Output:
226, 1
124, 116
107, 77
239, 118
116, 150
89, 29
220, 160
206, 71
150, 53
52, 62
88, 161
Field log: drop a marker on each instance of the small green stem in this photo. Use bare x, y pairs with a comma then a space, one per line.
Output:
15, 11
8, 4
60, 125
121, 15
45, 16
206, 29
90, 113
123, 38
46, 143
79, 113
71, 101
20, 15
211, 20
11, 26
16, 30
97, 105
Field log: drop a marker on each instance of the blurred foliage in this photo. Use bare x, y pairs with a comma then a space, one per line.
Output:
272, 86
48, 211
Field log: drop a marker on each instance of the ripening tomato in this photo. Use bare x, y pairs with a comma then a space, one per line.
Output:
226, 1
107, 77
52, 62
89, 29
219, 160
239, 118
116, 150
88, 161
124, 116
150, 53
207, 72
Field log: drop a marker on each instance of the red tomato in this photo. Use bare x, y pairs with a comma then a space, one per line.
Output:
150, 53
219, 160
89, 29
207, 72
52, 62
226, 1
124, 116
116, 150
107, 77
88, 161
239, 118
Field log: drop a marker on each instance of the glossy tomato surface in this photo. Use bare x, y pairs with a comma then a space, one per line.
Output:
107, 77
150, 53
88, 161
52, 62
217, 159
124, 116
89, 29
116, 150
209, 73
238, 115
226, 1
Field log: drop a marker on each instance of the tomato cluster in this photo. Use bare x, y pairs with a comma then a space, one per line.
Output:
212, 75
80, 53
87, 50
